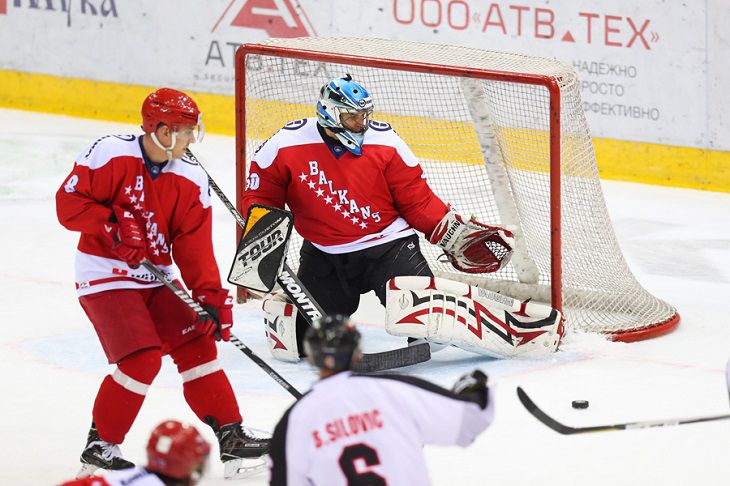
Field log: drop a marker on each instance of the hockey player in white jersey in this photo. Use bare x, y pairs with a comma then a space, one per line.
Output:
370, 429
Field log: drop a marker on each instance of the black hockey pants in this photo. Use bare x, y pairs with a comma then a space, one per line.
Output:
337, 281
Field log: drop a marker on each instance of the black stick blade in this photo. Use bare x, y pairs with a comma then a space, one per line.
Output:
644, 424
396, 358
542, 416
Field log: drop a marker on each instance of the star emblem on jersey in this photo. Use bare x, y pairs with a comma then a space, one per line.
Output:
337, 198
156, 241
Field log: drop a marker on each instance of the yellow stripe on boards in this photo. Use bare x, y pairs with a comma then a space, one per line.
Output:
619, 160
663, 165
101, 100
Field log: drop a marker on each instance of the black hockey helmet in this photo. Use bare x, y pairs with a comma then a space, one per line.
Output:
332, 342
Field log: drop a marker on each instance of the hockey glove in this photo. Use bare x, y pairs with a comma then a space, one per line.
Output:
471, 246
473, 387
126, 237
219, 304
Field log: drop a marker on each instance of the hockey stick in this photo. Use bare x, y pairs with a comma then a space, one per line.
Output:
203, 314
311, 310
568, 430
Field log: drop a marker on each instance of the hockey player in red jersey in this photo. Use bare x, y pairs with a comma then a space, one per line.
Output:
370, 429
132, 198
358, 195
176, 456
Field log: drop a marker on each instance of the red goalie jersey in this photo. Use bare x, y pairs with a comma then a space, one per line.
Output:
170, 201
343, 202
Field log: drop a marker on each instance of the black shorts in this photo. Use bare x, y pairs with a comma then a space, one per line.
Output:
337, 281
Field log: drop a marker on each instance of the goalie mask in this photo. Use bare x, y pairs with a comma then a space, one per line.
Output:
332, 342
343, 96
172, 108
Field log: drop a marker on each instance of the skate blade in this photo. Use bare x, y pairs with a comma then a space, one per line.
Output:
86, 471
243, 468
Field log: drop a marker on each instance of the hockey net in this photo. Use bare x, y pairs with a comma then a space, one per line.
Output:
500, 136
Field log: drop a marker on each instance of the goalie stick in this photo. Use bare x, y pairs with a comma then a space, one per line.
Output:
202, 313
311, 310
568, 430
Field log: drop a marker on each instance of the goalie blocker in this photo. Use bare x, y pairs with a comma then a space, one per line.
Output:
262, 250
471, 318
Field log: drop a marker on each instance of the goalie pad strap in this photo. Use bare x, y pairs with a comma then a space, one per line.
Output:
470, 318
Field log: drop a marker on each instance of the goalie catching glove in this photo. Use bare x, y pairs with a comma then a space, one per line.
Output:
471, 246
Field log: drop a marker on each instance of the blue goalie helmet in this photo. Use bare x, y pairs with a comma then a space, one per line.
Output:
332, 342
345, 96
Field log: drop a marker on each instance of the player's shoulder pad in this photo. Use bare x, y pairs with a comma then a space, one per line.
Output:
296, 132
383, 134
104, 149
192, 171
410, 381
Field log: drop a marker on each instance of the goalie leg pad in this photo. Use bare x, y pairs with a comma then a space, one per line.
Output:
471, 318
280, 323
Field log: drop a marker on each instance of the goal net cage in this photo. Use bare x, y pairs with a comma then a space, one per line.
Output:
500, 136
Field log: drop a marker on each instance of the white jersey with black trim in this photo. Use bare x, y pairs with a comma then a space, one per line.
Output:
351, 427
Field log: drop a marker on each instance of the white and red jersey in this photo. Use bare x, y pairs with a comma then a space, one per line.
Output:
350, 427
170, 201
343, 202
126, 477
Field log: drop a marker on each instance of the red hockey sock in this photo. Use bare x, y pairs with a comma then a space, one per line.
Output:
212, 395
121, 394
205, 385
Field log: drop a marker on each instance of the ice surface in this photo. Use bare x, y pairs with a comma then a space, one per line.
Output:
677, 242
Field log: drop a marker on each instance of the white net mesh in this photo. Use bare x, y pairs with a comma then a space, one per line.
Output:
485, 147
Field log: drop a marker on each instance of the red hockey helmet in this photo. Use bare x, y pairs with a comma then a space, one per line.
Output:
171, 107
176, 450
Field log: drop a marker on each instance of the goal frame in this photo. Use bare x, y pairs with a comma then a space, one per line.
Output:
550, 83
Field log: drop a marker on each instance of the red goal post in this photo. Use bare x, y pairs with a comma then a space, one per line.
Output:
501, 136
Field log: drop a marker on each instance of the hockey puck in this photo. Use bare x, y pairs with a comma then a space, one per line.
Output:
580, 403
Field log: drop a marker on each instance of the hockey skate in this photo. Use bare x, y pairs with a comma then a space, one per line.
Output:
100, 454
242, 450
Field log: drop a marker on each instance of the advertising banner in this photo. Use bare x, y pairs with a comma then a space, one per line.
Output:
649, 73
